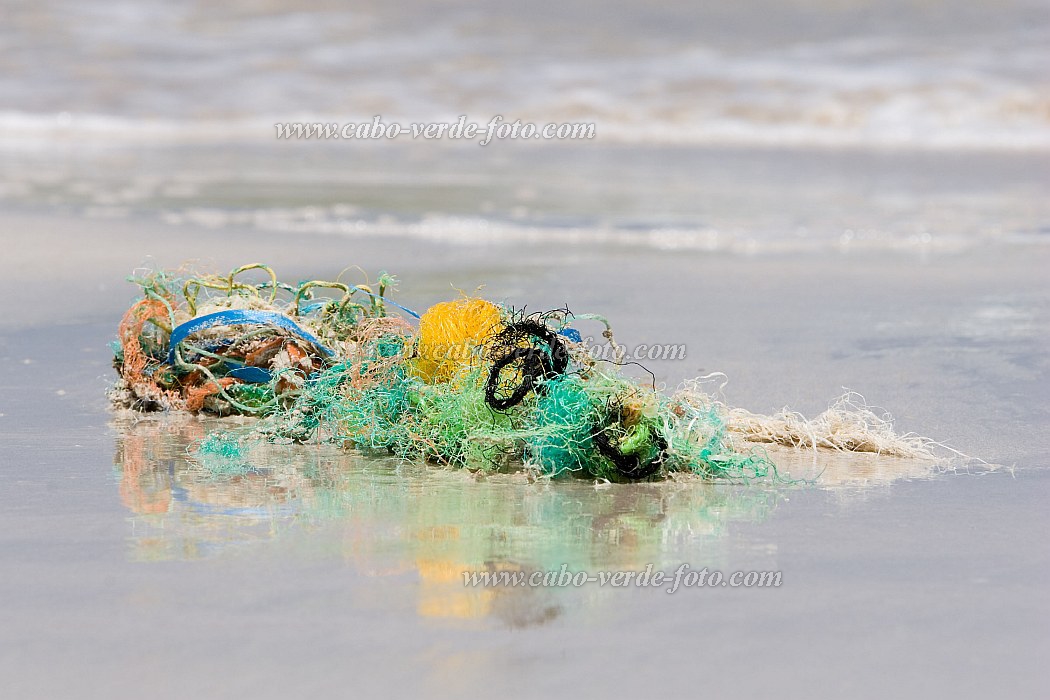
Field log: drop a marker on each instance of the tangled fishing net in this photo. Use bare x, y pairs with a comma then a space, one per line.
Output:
469, 384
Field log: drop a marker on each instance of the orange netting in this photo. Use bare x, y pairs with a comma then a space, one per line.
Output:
196, 395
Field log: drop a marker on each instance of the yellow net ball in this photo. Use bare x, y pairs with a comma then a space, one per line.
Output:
449, 335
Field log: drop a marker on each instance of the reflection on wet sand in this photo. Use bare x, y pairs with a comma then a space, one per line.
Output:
852, 473
395, 518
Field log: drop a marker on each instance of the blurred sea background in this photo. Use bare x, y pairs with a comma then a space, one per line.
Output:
758, 126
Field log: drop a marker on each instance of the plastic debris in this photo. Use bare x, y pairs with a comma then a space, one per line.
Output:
473, 385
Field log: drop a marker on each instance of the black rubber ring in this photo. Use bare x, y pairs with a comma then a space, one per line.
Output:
531, 366
538, 365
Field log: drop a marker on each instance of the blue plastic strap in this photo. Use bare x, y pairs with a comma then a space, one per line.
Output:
315, 305
386, 301
572, 334
239, 317
252, 375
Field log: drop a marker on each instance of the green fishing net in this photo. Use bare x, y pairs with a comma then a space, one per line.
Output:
469, 384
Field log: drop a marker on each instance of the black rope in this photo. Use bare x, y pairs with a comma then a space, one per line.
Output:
531, 368
541, 356
629, 466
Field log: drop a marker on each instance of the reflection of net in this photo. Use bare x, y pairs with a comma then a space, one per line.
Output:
477, 386
389, 518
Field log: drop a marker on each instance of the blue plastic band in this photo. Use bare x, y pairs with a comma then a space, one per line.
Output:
239, 317
572, 334
315, 305
252, 375
407, 310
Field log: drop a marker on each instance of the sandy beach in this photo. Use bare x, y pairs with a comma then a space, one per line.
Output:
126, 571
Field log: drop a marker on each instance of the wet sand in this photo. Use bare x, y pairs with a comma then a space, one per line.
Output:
126, 571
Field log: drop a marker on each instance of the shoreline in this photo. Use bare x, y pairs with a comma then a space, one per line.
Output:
787, 330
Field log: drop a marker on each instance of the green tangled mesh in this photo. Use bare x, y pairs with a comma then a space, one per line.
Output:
552, 432
564, 416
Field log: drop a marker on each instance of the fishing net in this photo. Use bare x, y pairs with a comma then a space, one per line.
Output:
469, 384
221, 345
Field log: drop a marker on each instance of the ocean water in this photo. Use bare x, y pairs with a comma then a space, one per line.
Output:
906, 73
759, 126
